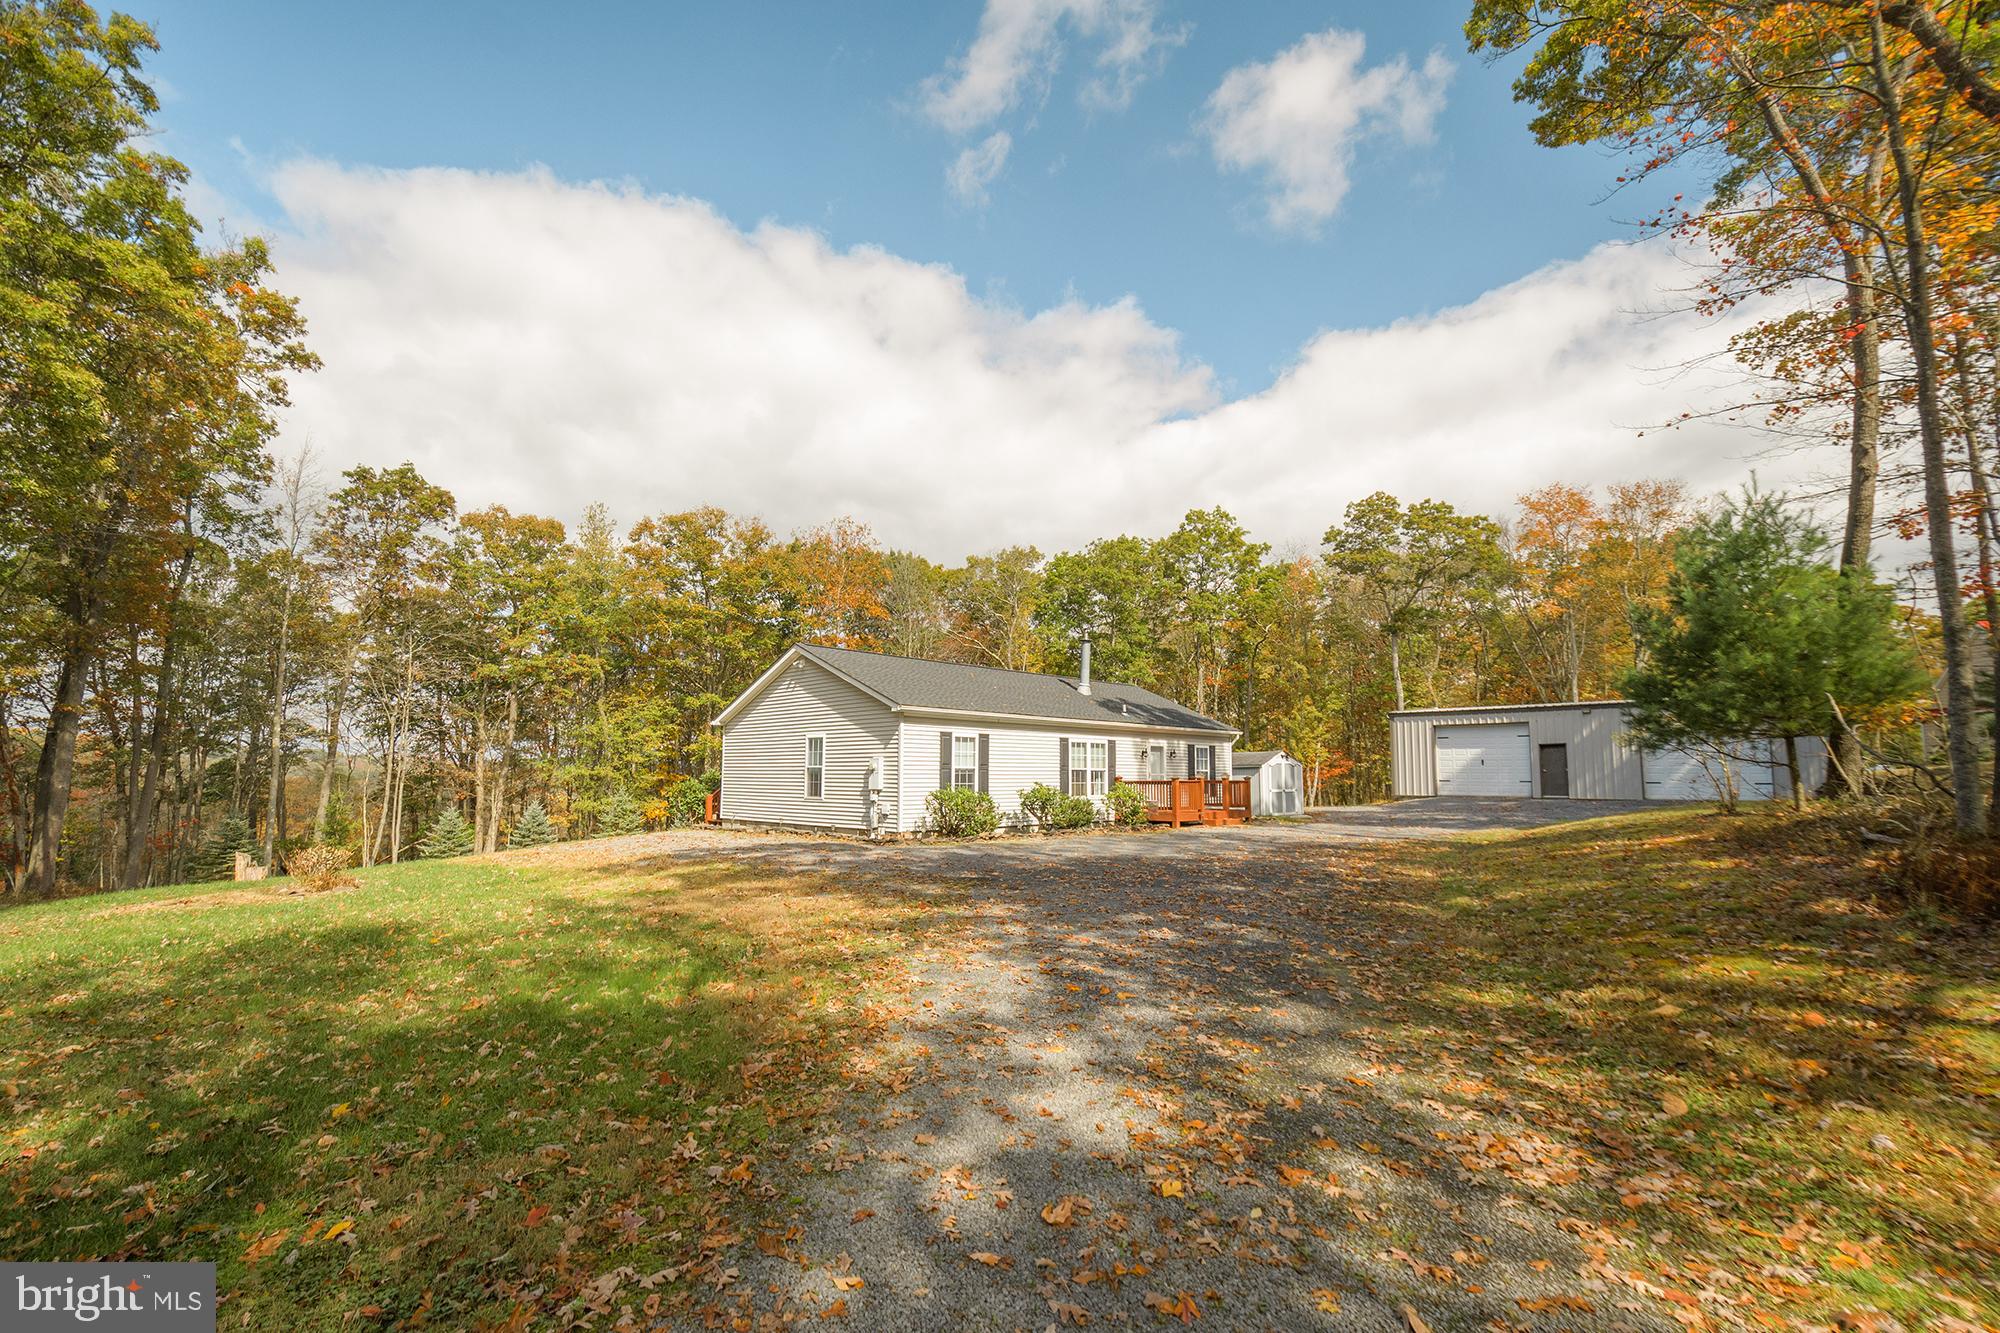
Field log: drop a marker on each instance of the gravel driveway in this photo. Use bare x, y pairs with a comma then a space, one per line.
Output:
1137, 1088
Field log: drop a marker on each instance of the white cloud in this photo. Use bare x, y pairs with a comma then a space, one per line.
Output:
977, 167
1297, 119
541, 344
1020, 43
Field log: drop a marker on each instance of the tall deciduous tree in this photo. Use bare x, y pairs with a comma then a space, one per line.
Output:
138, 371
1413, 563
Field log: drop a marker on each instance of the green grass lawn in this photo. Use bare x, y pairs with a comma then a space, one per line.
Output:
1786, 1093
460, 1094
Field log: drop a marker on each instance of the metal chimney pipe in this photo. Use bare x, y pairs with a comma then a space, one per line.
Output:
1083, 685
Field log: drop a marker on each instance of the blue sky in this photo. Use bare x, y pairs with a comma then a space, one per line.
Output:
807, 113
1148, 273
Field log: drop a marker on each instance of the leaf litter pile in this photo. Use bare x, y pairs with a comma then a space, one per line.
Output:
1662, 1070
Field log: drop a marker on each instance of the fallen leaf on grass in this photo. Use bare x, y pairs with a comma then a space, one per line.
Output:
536, 1215
1673, 1104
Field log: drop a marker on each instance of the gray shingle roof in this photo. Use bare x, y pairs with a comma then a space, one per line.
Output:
912, 682
1252, 758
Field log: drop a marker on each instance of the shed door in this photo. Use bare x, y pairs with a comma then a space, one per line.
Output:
1487, 760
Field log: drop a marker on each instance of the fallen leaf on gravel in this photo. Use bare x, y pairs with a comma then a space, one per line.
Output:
1170, 1189
925, 1140
860, 1215
1550, 1304
1294, 1175
1069, 1314
1179, 1306
990, 1259
1414, 1320
847, 1283
1326, 1300
838, 1310
1060, 1213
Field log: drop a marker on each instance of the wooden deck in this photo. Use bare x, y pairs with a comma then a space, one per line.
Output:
1179, 801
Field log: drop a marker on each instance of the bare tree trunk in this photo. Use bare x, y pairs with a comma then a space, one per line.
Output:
479, 775
1961, 702
273, 811
501, 772
53, 770
336, 707
1396, 666
367, 849
137, 835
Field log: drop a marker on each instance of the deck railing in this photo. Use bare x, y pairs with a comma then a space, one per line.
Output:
1180, 801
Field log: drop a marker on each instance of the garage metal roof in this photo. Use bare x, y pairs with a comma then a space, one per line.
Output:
1509, 708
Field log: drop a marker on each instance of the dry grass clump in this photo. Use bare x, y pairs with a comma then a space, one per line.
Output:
318, 869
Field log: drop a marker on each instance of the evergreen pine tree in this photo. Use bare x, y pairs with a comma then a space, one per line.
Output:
449, 835
1760, 632
217, 857
620, 816
532, 829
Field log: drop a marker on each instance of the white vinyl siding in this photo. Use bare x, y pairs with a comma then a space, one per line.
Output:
1019, 756
764, 753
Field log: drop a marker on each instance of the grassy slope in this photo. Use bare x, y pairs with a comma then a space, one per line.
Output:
465, 1090
1788, 1095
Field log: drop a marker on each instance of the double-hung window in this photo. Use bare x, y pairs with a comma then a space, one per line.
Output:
1089, 768
815, 766
1204, 761
965, 761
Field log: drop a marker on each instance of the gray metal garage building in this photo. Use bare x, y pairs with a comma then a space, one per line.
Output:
1578, 750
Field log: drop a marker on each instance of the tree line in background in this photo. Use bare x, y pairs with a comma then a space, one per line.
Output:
206, 650
344, 664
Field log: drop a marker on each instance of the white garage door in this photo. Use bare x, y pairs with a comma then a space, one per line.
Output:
1487, 760
1682, 775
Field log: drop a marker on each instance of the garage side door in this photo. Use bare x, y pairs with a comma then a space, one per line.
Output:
1486, 760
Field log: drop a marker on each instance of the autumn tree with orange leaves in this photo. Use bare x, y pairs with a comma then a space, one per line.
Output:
1850, 151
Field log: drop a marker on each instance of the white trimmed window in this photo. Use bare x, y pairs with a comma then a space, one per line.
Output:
1204, 761
815, 766
1089, 767
965, 761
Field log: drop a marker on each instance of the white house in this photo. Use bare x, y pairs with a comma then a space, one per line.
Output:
839, 739
1277, 781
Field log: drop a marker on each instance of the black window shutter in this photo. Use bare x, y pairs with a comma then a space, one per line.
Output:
1111, 761
1190, 757
944, 761
1062, 764
983, 740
